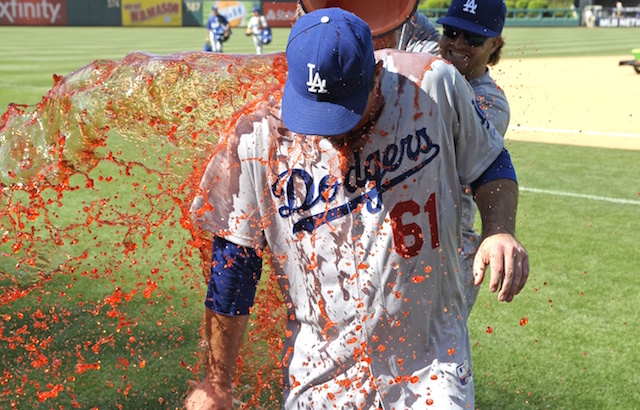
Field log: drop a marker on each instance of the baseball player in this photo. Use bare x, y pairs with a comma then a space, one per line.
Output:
354, 185
472, 41
218, 30
255, 27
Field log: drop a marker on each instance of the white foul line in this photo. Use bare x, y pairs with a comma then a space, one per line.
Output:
565, 131
582, 196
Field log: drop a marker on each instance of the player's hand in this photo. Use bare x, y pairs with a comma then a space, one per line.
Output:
508, 261
206, 396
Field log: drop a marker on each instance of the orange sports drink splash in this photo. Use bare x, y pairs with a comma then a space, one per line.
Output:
101, 280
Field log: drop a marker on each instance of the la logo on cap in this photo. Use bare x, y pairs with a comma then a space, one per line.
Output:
316, 84
470, 6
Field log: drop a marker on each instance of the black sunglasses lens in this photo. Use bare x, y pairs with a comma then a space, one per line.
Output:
450, 32
474, 40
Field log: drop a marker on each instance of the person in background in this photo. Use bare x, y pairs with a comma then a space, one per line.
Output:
352, 180
218, 30
472, 42
256, 27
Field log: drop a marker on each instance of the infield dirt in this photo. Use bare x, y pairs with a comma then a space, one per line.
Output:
589, 101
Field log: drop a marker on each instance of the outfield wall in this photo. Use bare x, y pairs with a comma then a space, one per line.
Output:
526, 17
155, 13
281, 13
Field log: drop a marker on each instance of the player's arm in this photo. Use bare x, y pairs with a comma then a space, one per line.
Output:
235, 272
421, 35
225, 24
224, 334
496, 194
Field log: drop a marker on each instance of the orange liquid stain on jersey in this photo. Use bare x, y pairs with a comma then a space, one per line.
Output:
96, 182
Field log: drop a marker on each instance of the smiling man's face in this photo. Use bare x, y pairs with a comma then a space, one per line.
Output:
471, 61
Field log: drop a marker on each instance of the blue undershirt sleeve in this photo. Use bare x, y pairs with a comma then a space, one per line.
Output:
501, 168
235, 273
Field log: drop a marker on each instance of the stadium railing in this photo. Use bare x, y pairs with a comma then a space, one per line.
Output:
527, 17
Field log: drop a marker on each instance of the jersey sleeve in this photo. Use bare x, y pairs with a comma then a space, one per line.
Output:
493, 101
497, 111
477, 143
227, 204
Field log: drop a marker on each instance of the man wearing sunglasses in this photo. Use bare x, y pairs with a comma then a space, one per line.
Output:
471, 41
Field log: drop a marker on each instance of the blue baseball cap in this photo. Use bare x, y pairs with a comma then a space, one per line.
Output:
256, 9
330, 64
483, 17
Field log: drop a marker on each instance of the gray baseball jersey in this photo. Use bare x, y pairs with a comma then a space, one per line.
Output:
421, 36
364, 239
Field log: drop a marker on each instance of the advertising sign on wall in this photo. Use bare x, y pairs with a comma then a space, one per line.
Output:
280, 14
33, 12
151, 12
618, 22
237, 13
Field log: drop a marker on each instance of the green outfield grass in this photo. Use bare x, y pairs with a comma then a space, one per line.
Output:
31, 55
578, 217
580, 301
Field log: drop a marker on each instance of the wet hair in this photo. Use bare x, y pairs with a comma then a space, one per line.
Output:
494, 58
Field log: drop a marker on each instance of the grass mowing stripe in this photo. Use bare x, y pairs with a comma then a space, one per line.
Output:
570, 131
581, 196
532, 42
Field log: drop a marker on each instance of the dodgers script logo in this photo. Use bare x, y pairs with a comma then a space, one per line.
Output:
377, 167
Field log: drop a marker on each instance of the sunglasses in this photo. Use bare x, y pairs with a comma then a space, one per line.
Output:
474, 40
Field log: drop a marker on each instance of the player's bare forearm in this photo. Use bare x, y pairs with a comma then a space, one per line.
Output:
497, 204
500, 250
205, 245
224, 336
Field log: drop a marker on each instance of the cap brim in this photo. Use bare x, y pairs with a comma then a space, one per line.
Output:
466, 25
382, 16
312, 117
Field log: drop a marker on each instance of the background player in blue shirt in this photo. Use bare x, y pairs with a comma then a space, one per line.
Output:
218, 30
